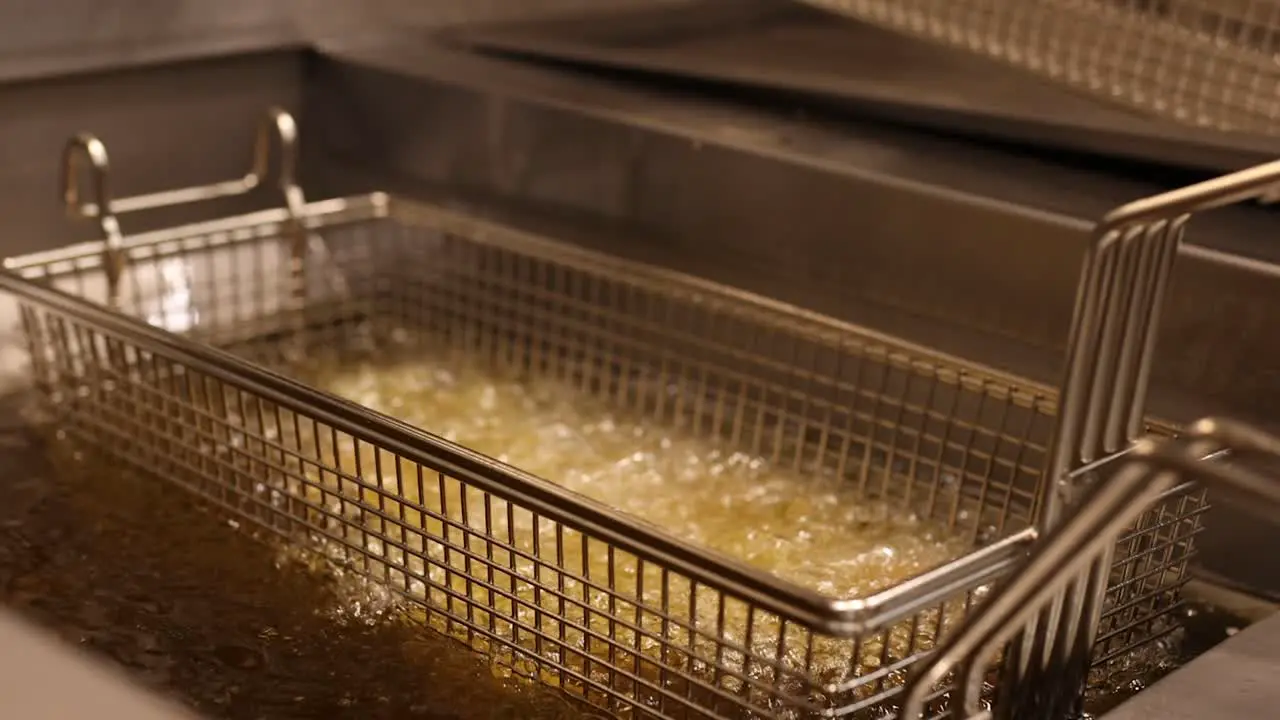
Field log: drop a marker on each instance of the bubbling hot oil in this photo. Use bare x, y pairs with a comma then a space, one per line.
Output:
529, 587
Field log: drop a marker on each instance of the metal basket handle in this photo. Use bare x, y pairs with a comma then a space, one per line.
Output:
1060, 558
1102, 407
1119, 302
85, 151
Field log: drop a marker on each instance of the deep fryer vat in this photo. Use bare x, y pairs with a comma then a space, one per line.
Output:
961, 444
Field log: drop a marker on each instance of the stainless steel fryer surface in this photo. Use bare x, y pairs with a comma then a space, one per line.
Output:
962, 444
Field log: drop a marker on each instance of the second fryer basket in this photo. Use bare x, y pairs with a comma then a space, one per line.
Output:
1204, 63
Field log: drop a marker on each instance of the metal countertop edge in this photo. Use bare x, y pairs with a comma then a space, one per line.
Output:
44, 679
94, 59
1235, 680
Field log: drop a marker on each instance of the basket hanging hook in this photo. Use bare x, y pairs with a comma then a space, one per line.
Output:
280, 123
86, 152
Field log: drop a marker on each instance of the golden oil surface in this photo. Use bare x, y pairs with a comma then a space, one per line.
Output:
134, 569
817, 534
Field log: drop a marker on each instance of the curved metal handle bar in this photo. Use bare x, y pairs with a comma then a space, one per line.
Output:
277, 124
1249, 184
1119, 301
86, 149
1151, 469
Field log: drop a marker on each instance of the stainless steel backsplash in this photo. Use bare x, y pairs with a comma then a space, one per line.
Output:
42, 37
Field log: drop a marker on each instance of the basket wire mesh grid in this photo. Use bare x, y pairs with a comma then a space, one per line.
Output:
1208, 63
1212, 453
157, 349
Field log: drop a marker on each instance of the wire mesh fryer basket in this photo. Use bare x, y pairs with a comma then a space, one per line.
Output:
1209, 63
658, 625
655, 616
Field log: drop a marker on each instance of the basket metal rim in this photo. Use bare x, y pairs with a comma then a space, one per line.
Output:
233, 230
339, 211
